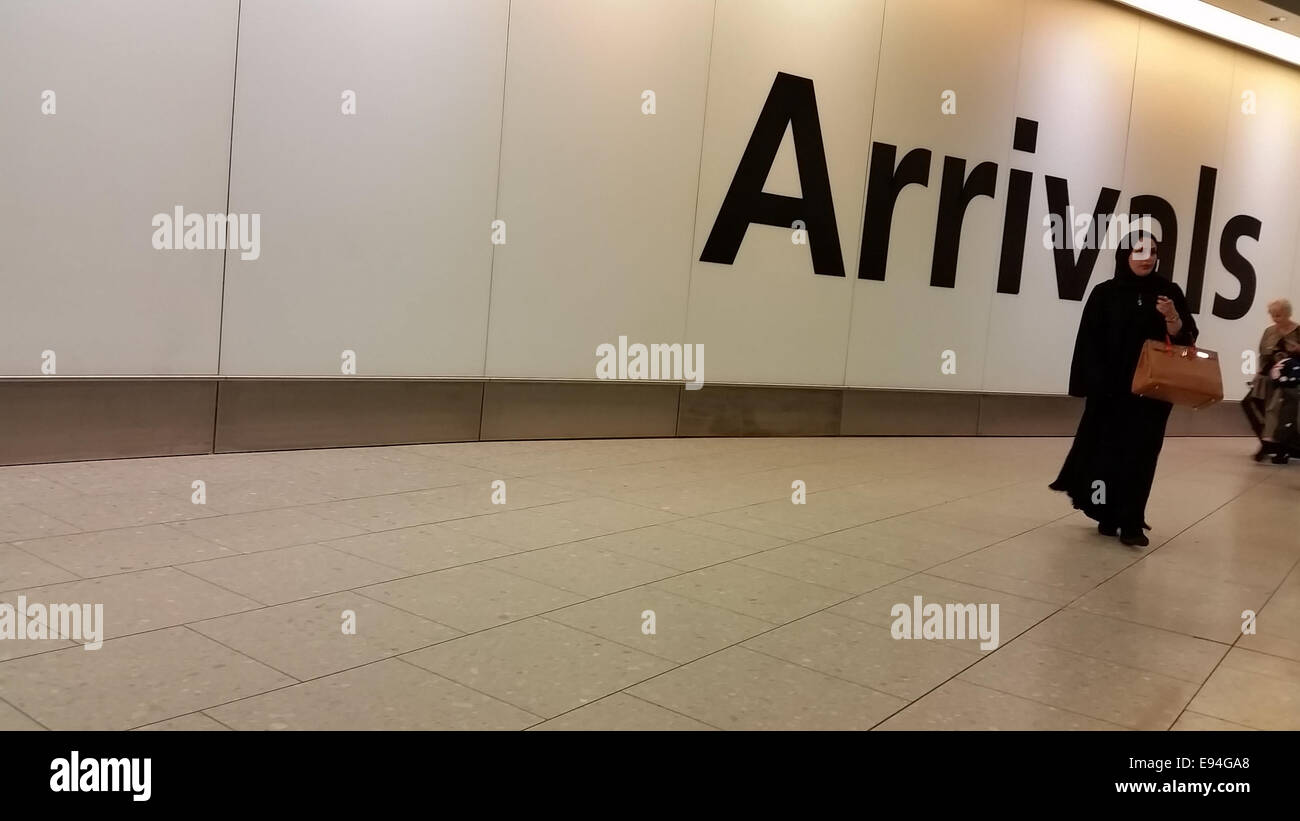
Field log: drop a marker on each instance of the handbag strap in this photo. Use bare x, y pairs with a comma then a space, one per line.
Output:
1169, 346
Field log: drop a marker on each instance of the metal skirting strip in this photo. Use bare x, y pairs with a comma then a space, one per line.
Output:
79, 419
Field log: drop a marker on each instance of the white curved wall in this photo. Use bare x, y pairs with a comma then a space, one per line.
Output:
376, 227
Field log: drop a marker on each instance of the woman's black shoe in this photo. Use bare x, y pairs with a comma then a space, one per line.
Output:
1107, 529
1265, 448
1280, 458
1134, 538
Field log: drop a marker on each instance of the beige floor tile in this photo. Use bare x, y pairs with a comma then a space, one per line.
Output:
622, 712
528, 529
1253, 689
618, 480
610, 515
120, 551
27, 484
422, 549
234, 496
471, 597
1133, 698
377, 513
1197, 722
291, 573
24, 522
1273, 645
13, 720
141, 601
819, 514
669, 546
1015, 613
1132, 645
476, 498
1046, 593
538, 665
18, 568
747, 518
865, 654
731, 535
306, 639
827, 568
789, 603
128, 509
119, 475
1277, 625
1221, 558
187, 723
705, 496
230, 467
266, 529
753, 592
132, 681
739, 689
21, 643
960, 705
866, 542
581, 568
1038, 568
1172, 599
386, 695
974, 513
916, 526
684, 630
383, 476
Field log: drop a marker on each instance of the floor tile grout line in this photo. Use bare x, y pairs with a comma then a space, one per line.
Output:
701, 517
529, 477
297, 682
360, 589
191, 628
1055, 707
203, 713
848, 597
23, 712
541, 719
1235, 641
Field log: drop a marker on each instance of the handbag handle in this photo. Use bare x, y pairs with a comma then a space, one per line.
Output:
1169, 346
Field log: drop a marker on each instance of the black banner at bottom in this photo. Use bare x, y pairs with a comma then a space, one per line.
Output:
140, 772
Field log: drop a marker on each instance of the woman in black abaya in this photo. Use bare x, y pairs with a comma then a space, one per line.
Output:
1112, 463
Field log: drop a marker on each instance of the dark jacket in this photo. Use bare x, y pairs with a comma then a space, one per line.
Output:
1119, 317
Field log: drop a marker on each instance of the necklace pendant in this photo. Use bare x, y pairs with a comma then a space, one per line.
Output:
1139, 300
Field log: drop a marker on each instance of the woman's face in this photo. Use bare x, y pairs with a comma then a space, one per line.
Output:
1142, 260
1281, 318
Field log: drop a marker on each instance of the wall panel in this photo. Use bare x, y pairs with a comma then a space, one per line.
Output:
597, 197
954, 97
375, 225
768, 318
1075, 81
140, 124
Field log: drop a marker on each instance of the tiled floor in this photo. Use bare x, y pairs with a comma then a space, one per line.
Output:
537, 612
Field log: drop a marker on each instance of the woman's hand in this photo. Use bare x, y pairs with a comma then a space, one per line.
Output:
1173, 322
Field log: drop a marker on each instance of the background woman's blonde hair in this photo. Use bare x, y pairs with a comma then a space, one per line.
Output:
1282, 306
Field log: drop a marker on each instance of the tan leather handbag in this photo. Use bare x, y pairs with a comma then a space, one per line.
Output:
1180, 374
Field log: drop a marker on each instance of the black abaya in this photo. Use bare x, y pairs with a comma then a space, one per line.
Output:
1120, 434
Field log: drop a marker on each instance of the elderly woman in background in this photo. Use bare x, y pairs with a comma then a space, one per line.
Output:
1264, 402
